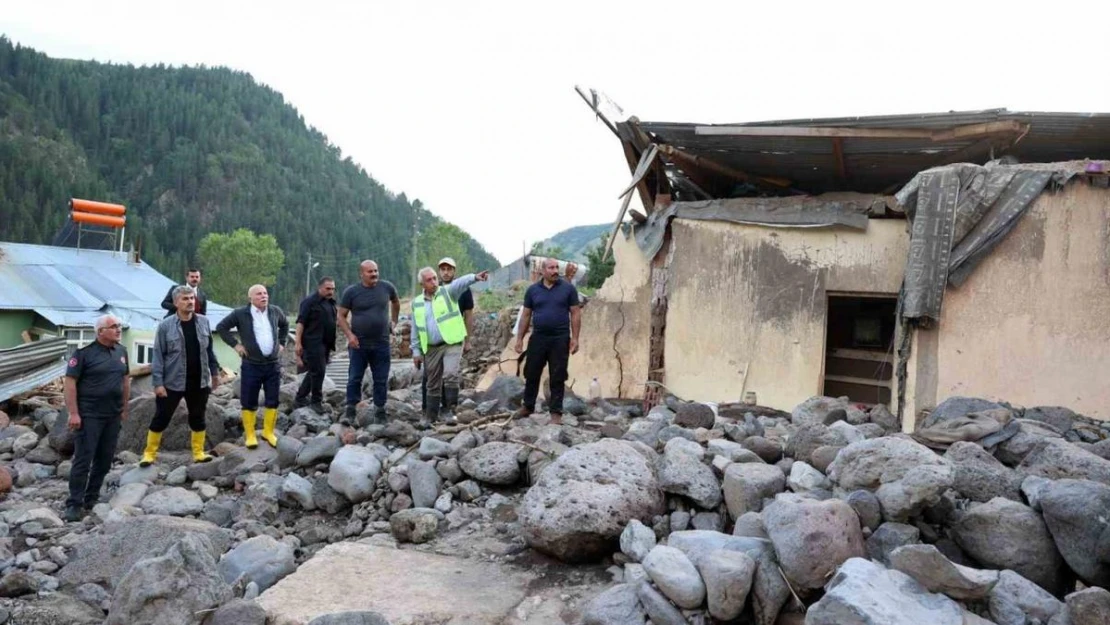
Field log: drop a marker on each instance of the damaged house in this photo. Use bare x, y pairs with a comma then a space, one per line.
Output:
895, 260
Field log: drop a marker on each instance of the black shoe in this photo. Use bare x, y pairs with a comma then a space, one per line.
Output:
317, 407
351, 412
74, 514
380, 416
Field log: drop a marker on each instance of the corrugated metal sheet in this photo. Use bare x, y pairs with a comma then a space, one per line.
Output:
31, 380
31, 365
72, 287
875, 165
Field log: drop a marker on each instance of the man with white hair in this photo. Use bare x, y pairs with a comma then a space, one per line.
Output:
263, 331
439, 332
97, 388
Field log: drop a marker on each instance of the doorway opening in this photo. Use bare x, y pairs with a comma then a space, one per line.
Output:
859, 342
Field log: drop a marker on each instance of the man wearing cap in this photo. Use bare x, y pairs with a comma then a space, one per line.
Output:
450, 396
438, 334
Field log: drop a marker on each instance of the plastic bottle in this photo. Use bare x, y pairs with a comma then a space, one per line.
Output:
595, 390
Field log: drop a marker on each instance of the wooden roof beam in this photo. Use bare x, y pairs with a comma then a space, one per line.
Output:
971, 131
686, 160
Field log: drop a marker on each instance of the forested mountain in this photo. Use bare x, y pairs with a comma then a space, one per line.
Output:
189, 151
575, 242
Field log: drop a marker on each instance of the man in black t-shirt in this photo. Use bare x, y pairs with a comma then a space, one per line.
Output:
450, 396
184, 367
315, 343
374, 308
97, 388
552, 308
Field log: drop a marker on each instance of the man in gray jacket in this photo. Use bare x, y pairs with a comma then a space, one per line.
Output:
184, 367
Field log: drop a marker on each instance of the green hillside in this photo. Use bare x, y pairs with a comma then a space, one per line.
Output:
574, 242
190, 151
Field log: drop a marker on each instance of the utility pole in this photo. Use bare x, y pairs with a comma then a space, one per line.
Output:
308, 276
415, 232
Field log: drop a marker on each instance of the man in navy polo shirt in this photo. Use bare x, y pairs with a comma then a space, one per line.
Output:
552, 310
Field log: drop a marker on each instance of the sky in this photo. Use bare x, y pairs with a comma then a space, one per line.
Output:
470, 106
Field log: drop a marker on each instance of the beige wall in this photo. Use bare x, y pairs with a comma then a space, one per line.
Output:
1032, 323
619, 310
750, 298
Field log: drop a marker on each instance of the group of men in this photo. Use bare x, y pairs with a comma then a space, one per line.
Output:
184, 364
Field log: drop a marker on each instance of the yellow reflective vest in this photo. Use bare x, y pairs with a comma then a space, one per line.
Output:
449, 319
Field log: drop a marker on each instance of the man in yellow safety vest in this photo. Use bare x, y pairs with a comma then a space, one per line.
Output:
438, 334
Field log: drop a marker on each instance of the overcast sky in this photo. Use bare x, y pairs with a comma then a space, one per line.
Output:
470, 106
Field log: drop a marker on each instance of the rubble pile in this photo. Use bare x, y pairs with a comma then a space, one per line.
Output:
702, 513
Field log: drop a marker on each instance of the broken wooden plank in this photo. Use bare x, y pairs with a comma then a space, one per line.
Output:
970, 131
844, 379
860, 354
838, 154
641, 169
685, 159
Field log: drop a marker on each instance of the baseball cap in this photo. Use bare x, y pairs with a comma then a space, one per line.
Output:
446, 261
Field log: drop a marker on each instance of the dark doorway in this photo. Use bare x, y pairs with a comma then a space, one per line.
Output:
859, 362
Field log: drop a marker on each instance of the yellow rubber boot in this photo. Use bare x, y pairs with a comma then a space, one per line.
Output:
248, 428
198, 448
150, 454
269, 420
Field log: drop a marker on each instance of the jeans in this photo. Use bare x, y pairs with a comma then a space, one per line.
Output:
94, 448
554, 352
377, 357
195, 399
315, 359
264, 377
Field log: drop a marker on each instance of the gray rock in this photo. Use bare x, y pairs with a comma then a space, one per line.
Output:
808, 438
493, 463
958, 407
817, 409
1057, 416
675, 576
580, 504
260, 500
747, 485
888, 538
620, 605
804, 478
261, 559
61, 437
178, 476
287, 450
1016, 601
350, 618
434, 448
318, 449
314, 422
750, 524
416, 525
1089, 607
645, 431
767, 450
675, 431
176, 437
1033, 487
239, 612
450, 470
174, 501
1029, 436
17, 584
681, 472
709, 521
637, 540
1058, 459
220, 511
468, 490
823, 456
812, 538
867, 508
171, 587
695, 415
203, 471
699, 544
980, 476
937, 573
882, 416
680, 520
241, 460
728, 579
353, 472
1080, 534
659, 609
906, 476
734, 452
424, 484
327, 498
864, 593
146, 475
129, 495
1004, 534
298, 490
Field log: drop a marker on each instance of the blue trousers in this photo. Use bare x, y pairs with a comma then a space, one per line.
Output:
377, 358
266, 378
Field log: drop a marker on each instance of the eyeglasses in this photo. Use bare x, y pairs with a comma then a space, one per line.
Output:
114, 326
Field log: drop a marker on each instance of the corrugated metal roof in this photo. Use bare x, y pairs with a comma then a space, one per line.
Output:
71, 287
31, 365
874, 165
31, 379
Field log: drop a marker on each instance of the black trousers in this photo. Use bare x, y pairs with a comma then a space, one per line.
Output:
552, 352
94, 448
315, 364
196, 400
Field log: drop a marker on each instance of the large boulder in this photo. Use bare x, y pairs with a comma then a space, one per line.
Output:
1089, 607
173, 501
682, 472
106, 557
620, 605
746, 485
262, 560
353, 472
173, 587
980, 476
582, 501
1029, 436
931, 569
1015, 600
906, 476
812, 538
61, 437
956, 408
1081, 534
815, 409
178, 436
507, 391
1057, 416
493, 463
810, 437
695, 415
1005, 534
864, 593
728, 580
675, 576
1058, 459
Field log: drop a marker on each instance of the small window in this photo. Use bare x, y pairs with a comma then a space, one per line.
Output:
144, 354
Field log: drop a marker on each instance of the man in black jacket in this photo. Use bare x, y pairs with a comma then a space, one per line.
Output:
263, 330
192, 278
315, 342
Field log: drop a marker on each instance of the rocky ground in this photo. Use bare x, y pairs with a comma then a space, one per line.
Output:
692, 513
